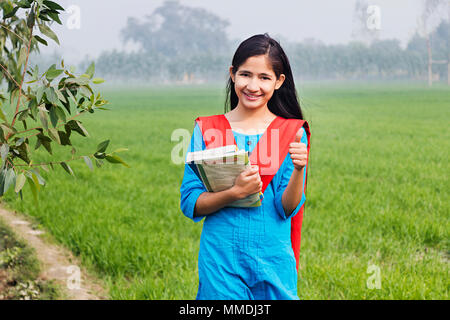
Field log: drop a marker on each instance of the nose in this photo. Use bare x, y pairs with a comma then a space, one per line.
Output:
252, 85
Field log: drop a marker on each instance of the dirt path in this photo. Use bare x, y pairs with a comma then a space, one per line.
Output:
57, 263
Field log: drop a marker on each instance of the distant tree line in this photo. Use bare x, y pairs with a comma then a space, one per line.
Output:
382, 59
185, 44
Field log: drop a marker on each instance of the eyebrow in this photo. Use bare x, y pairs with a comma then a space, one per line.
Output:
262, 74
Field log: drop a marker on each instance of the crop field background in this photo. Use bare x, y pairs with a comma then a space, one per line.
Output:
377, 196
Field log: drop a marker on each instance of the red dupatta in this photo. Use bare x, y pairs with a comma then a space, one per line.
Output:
268, 154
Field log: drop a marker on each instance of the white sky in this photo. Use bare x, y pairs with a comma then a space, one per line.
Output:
330, 21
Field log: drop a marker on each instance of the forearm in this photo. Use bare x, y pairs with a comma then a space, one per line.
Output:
209, 202
293, 193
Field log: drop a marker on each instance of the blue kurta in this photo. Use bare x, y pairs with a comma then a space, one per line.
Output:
245, 253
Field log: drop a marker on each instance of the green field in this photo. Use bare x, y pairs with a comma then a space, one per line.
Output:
377, 193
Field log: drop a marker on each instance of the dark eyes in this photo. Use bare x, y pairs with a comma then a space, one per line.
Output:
245, 74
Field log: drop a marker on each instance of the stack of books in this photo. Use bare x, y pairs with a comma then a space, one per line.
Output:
218, 169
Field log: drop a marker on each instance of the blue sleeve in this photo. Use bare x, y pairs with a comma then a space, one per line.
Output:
287, 168
192, 186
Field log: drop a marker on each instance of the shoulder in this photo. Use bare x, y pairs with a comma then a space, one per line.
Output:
209, 118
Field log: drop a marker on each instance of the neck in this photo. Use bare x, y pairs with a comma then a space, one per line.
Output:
261, 113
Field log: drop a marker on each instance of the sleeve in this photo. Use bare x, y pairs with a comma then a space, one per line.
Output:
192, 186
287, 169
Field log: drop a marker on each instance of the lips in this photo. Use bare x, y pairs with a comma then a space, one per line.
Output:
252, 97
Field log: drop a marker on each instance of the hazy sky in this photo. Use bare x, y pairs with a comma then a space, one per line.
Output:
330, 21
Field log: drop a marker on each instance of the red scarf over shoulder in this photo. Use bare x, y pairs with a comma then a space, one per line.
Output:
268, 154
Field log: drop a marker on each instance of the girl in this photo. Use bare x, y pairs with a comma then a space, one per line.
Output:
251, 253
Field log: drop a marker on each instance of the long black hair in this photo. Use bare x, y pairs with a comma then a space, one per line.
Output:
284, 101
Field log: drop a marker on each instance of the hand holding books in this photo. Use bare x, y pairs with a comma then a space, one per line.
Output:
248, 182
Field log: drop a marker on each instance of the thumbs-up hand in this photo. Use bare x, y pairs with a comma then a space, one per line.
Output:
298, 151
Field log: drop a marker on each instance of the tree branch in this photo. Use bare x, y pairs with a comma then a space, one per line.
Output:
9, 75
23, 78
15, 82
52, 162
18, 36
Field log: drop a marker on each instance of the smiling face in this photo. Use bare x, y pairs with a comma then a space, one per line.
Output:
255, 81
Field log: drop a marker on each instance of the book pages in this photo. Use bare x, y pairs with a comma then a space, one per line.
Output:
218, 170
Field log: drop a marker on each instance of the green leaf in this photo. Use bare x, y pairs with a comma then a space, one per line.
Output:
45, 43
40, 180
24, 4
39, 94
7, 129
116, 159
100, 155
91, 70
60, 96
72, 98
9, 179
22, 56
64, 138
45, 141
2, 135
79, 81
85, 133
22, 115
53, 133
52, 73
4, 150
2, 115
60, 113
48, 32
67, 168
2, 181
98, 80
102, 146
43, 117
53, 117
120, 150
76, 126
53, 5
23, 151
30, 19
98, 163
85, 90
36, 181
51, 95
11, 13
55, 17
19, 141
20, 182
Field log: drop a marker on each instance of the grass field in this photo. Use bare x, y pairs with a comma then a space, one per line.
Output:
377, 193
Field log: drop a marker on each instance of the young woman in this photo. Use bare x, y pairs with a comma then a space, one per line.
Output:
252, 253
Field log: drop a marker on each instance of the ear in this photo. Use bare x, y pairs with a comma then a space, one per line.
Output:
279, 81
231, 74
